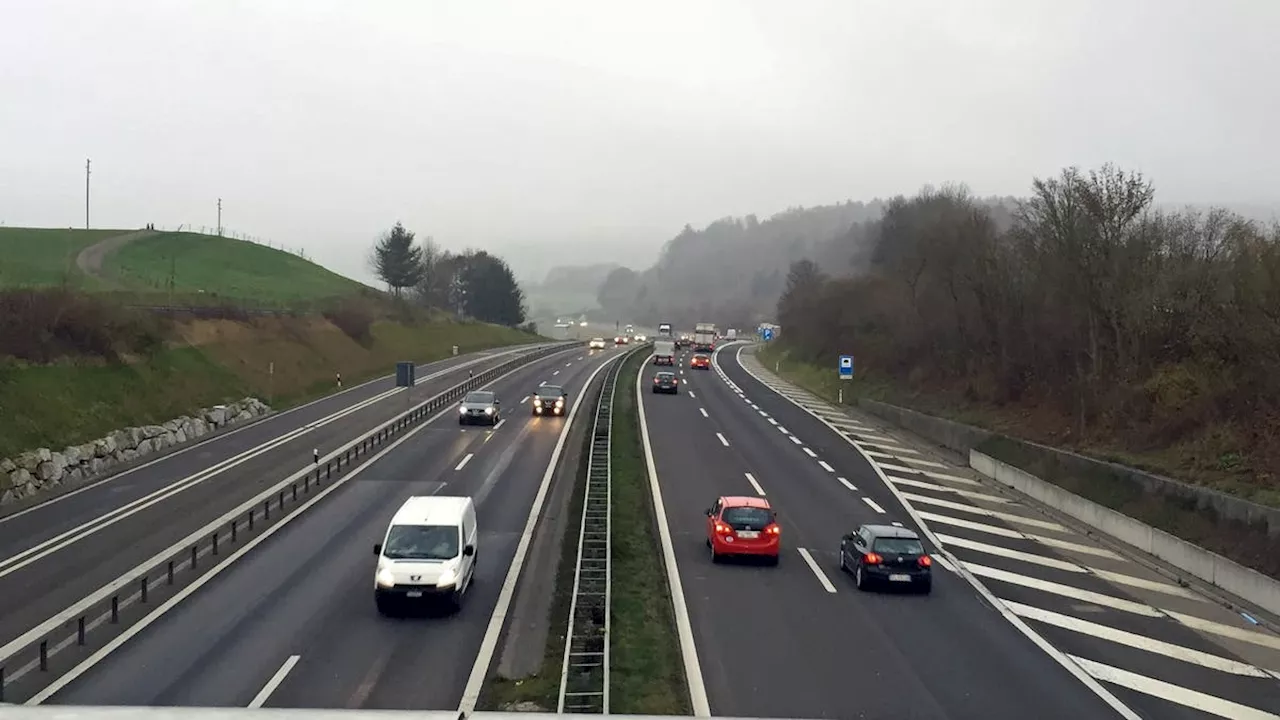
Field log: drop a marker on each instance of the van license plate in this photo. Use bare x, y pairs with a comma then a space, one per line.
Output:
748, 534
413, 593
899, 578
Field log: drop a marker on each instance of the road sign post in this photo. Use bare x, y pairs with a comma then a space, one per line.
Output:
768, 334
846, 373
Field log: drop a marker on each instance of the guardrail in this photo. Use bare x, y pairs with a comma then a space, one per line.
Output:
35, 659
584, 677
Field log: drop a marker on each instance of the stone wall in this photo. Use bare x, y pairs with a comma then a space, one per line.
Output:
40, 470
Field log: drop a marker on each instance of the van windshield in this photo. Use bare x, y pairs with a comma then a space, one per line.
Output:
421, 542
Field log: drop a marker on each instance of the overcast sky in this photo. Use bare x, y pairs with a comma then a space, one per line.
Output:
571, 132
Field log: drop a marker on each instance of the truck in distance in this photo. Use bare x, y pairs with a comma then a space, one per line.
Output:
704, 337
664, 331
664, 352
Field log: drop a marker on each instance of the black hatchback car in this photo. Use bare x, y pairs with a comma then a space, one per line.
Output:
666, 382
886, 555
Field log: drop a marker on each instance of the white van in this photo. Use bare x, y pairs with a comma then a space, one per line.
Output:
429, 552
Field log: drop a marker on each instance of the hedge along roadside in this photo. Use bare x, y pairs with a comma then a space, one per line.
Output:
116, 603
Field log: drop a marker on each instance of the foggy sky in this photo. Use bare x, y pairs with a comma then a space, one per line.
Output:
574, 132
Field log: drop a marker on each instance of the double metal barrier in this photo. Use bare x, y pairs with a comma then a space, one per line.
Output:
38, 657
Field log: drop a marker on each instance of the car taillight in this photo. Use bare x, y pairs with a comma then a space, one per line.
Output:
655, 381
674, 381
925, 561
873, 559
773, 529
723, 529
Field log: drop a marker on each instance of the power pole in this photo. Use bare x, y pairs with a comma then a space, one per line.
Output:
219, 217
86, 194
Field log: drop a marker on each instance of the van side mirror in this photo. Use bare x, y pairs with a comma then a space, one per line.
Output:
469, 550
377, 549
708, 512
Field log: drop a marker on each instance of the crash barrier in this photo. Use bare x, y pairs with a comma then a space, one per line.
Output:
38, 657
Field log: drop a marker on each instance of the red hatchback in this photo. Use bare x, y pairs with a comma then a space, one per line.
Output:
700, 362
743, 526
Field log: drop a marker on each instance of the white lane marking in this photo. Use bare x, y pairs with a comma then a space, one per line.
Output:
1006, 532
1043, 560
896, 449
817, 571
464, 462
568, 364
501, 422
1134, 640
557, 372
796, 440
1152, 585
873, 505
930, 473
261, 698
751, 479
1075, 593
684, 626
945, 563
848, 484
826, 466
984, 497
524, 399
772, 421
722, 440
1172, 693
783, 430
809, 452
544, 382
870, 436
926, 463
964, 507
691, 392
704, 412
1235, 633
484, 658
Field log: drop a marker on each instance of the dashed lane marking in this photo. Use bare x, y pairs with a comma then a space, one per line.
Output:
817, 571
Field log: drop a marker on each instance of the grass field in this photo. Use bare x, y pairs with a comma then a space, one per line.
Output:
205, 269
215, 360
646, 667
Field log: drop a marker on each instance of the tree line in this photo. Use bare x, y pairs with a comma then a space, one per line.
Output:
474, 284
1157, 327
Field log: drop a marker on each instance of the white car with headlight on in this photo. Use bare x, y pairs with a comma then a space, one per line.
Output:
428, 553
479, 406
596, 344
550, 400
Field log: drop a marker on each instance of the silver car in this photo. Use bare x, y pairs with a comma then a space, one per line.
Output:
479, 406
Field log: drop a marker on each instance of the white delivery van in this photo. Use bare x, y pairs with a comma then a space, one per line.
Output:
428, 553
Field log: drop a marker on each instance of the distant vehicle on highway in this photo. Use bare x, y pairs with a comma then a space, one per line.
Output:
731, 334
479, 406
550, 400
700, 362
684, 341
743, 526
666, 382
428, 553
596, 344
704, 337
886, 555
621, 340
664, 331
641, 337
664, 352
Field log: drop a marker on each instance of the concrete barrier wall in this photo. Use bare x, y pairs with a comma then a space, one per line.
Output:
1210, 567
952, 435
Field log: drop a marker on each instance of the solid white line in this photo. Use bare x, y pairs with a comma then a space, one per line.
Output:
1018, 623
1235, 633
1043, 560
704, 412
926, 463
945, 563
1117, 603
809, 452
1140, 642
826, 466
892, 448
984, 497
751, 479
464, 462
964, 507
822, 578
480, 670
261, 698
684, 626
873, 505
722, 440
847, 484
1172, 693
930, 473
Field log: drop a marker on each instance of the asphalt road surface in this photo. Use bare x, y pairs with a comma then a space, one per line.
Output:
1158, 649
54, 554
304, 600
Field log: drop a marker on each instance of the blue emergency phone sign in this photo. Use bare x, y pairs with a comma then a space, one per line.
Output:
768, 334
846, 367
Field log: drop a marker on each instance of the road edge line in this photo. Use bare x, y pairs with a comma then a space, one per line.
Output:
1058, 656
493, 632
684, 626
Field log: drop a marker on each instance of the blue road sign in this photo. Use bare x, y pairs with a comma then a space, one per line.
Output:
768, 334
846, 367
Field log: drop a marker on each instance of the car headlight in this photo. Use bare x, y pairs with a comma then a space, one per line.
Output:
385, 578
488, 411
560, 403
447, 578
537, 402
462, 410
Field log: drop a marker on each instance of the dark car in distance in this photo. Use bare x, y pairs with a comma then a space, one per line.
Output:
886, 555
666, 382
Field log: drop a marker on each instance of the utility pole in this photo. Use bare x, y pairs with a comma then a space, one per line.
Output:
86, 194
219, 217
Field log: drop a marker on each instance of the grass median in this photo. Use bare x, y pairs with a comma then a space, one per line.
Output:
646, 668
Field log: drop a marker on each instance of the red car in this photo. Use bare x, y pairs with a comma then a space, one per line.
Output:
700, 362
743, 526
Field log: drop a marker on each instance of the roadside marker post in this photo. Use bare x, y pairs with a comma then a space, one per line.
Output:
846, 373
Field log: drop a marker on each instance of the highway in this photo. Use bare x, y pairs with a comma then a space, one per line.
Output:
1087, 632
54, 554
300, 609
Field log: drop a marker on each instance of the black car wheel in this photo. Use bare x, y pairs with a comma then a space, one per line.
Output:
859, 578
844, 566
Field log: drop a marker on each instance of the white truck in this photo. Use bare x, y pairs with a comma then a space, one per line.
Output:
664, 352
664, 331
704, 337
731, 334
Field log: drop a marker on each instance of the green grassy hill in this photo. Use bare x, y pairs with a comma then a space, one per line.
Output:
167, 268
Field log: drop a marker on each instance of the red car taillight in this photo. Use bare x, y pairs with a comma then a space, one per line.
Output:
773, 529
873, 559
723, 529
925, 561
